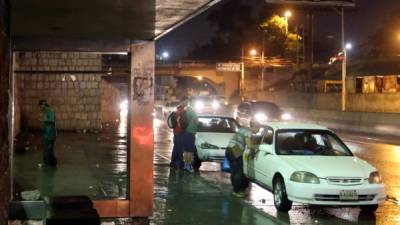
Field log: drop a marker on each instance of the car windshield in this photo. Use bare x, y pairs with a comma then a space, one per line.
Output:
217, 125
310, 142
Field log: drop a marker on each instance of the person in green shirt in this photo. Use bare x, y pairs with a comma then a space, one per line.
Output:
49, 134
190, 124
234, 153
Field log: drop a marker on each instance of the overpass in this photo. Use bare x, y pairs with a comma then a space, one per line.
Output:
225, 83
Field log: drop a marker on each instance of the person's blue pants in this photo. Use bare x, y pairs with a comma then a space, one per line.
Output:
177, 151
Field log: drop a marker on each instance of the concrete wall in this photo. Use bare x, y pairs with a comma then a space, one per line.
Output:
4, 103
70, 82
374, 123
377, 102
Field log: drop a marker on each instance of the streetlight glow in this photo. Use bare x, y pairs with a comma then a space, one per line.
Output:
253, 52
348, 46
288, 13
165, 55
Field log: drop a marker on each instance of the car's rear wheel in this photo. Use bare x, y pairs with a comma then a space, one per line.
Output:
369, 208
281, 201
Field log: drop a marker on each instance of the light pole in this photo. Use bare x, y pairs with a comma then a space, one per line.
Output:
288, 14
343, 66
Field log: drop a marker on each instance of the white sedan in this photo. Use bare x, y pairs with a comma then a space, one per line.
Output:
309, 164
213, 136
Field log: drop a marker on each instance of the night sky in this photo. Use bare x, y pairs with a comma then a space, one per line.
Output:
359, 26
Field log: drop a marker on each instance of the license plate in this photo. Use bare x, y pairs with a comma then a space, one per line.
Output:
348, 195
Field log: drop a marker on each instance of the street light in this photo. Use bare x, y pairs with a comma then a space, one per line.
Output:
165, 55
287, 14
253, 52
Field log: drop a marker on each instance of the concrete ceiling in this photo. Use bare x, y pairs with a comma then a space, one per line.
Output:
127, 19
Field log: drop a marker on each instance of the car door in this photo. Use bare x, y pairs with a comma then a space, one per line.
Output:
264, 159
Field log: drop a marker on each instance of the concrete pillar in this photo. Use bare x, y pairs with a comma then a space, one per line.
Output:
5, 187
231, 83
141, 129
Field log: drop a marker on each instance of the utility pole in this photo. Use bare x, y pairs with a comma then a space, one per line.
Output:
242, 86
262, 62
343, 65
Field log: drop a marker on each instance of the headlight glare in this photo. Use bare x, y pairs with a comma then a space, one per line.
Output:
199, 105
260, 117
304, 177
286, 116
375, 178
215, 105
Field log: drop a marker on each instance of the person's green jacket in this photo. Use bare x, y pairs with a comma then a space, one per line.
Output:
49, 124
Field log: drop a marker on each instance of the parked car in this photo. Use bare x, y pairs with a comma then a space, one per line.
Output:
309, 164
213, 137
257, 112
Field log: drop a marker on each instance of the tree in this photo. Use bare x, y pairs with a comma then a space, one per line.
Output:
277, 41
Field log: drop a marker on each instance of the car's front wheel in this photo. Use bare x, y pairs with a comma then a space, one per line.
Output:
196, 162
281, 201
369, 208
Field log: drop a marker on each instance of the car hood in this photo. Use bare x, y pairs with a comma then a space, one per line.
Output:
330, 166
219, 139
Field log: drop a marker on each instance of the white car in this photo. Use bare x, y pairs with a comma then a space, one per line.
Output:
309, 164
212, 138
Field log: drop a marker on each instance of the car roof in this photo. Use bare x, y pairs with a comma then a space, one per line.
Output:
294, 125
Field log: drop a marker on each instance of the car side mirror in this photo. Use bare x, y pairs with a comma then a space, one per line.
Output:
266, 148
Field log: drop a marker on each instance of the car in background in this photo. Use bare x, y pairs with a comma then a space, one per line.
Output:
309, 164
258, 112
169, 107
212, 137
207, 104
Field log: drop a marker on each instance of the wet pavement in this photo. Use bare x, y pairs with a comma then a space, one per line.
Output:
92, 164
95, 165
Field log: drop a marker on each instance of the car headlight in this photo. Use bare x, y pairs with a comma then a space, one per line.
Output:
375, 178
215, 105
206, 145
199, 105
304, 177
286, 116
260, 117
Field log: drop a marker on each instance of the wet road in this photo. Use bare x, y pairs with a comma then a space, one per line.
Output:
205, 198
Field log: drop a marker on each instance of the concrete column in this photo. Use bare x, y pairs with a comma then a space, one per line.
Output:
231, 83
5, 187
141, 129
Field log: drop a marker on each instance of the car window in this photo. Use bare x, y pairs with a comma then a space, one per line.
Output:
310, 142
217, 125
268, 136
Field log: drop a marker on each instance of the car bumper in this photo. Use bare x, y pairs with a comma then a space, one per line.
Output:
211, 154
328, 194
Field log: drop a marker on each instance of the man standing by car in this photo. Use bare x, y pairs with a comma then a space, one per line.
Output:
234, 153
177, 150
189, 121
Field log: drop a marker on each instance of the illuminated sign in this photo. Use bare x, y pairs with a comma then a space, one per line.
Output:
229, 67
